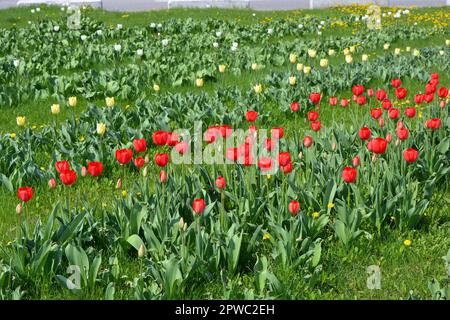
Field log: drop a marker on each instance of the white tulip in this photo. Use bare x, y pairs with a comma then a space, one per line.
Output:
56, 28
83, 37
16, 63
117, 47
140, 52
270, 31
99, 32
152, 25
165, 42
300, 26
119, 26
218, 34
215, 44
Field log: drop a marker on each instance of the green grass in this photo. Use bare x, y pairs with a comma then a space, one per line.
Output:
403, 269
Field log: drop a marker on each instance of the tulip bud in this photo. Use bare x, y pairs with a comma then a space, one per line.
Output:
389, 137
141, 251
300, 155
19, 208
52, 183
181, 223
381, 122
119, 184
258, 88
145, 172
442, 104
147, 159
400, 124
185, 227
163, 176
254, 66
356, 161
333, 146
156, 87
374, 157
83, 171
397, 142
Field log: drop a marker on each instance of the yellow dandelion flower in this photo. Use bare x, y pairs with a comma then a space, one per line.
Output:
266, 236
330, 205
315, 215
407, 243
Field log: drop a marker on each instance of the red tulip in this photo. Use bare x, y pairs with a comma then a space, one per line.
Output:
344, 102
265, 163
428, 97
396, 83
433, 124
434, 75
284, 158
381, 95
376, 113
364, 133
225, 130
295, 106
400, 124
68, 177
294, 207
162, 176
443, 92
139, 162
245, 149
25, 193
358, 90
307, 141
161, 159
434, 82
251, 116
95, 168
381, 122
313, 116
418, 98
277, 133
211, 134
349, 174
356, 161
386, 104
410, 155
198, 206
410, 112
333, 101
393, 113
220, 182
124, 155
315, 97
172, 139
160, 137
361, 100
182, 147
402, 133
378, 145
401, 93
430, 88
287, 168
370, 92
315, 125
140, 145
62, 166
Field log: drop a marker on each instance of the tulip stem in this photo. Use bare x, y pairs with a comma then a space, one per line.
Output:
222, 213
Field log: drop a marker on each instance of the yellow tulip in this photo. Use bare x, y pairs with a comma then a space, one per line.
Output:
352, 49
292, 80
258, 88
408, 49
447, 42
254, 66
397, 51
293, 58
348, 58
199, 82
110, 101
324, 63
416, 52
156, 87
312, 53
21, 121
364, 57
72, 101
346, 51
12, 135
306, 70
101, 128
386, 46
331, 52
299, 66
55, 108
222, 68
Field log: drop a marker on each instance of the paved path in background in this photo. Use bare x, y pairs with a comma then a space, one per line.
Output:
142, 5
